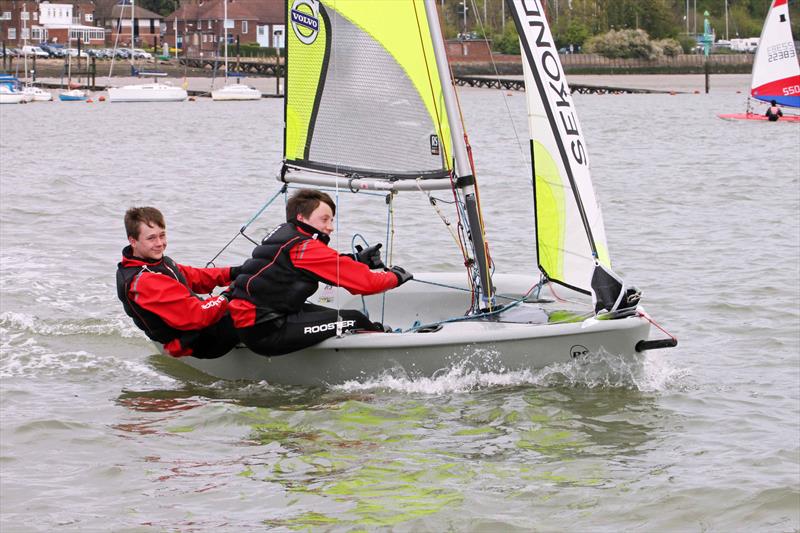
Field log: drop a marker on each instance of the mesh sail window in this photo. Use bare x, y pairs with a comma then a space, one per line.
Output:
362, 94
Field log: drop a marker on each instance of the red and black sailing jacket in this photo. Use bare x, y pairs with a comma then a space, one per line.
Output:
160, 297
286, 269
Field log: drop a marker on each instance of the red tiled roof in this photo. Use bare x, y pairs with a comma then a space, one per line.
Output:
265, 11
139, 13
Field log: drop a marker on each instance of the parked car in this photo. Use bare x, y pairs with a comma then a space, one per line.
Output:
53, 49
122, 53
29, 50
73, 52
138, 53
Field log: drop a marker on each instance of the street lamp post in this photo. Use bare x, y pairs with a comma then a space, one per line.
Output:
276, 34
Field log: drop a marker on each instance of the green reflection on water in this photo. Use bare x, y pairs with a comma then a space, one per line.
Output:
383, 459
357, 454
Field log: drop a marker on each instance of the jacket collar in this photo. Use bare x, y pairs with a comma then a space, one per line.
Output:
312, 231
129, 260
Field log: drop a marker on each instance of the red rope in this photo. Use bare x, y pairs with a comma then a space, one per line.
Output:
653, 322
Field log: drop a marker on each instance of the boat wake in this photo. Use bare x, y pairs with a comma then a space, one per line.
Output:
650, 373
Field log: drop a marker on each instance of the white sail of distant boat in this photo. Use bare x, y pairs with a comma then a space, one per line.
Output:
404, 134
143, 92
776, 71
234, 91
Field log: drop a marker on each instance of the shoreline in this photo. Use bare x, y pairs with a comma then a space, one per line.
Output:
678, 83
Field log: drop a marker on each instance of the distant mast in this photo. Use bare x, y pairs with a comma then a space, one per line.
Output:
225, 28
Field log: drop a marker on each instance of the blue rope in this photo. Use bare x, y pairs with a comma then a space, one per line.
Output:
258, 214
353, 249
241, 230
501, 309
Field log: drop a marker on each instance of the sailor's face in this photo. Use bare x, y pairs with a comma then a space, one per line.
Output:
151, 243
320, 219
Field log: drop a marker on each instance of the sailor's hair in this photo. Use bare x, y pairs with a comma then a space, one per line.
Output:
305, 201
135, 216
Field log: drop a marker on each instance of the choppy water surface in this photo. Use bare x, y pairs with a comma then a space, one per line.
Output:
99, 434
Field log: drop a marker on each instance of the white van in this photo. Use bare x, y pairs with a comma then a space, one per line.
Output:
745, 45
33, 51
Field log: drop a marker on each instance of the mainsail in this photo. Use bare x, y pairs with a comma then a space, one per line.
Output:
776, 74
363, 96
570, 233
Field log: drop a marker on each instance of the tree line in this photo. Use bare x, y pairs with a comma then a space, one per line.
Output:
575, 21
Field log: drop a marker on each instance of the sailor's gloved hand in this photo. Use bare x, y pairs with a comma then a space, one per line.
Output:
402, 275
371, 256
235, 271
228, 293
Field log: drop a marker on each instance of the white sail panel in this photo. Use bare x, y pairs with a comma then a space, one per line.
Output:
569, 224
776, 73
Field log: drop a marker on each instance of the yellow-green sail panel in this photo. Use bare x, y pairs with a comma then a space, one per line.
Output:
305, 81
363, 92
551, 213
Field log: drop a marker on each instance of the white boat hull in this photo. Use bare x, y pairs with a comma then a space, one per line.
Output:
522, 339
147, 92
74, 95
11, 98
234, 93
37, 95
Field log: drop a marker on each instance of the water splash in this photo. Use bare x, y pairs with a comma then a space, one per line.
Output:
32, 324
24, 356
645, 373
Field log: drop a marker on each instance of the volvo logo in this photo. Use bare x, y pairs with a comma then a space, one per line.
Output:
305, 20
578, 351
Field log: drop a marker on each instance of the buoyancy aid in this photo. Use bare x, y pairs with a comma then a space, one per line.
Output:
268, 283
153, 325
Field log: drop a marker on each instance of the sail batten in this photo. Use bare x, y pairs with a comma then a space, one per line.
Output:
362, 94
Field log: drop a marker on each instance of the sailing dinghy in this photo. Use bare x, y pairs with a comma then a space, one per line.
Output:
404, 134
776, 72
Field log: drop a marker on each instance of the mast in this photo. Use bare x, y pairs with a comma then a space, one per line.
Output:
25, 36
133, 8
225, 27
464, 178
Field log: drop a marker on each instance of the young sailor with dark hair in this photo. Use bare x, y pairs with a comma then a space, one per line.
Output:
161, 295
773, 111
269, 306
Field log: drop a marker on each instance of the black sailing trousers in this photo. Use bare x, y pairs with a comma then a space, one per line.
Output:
312, 325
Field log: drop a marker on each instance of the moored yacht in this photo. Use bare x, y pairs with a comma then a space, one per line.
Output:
147, 92
235, 92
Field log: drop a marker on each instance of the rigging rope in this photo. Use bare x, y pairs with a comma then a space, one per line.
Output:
653, 322
468, 262
246, 225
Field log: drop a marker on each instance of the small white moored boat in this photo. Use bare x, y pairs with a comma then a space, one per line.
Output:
235, 92
147, 92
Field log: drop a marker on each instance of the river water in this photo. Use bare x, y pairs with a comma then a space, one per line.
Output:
99, 434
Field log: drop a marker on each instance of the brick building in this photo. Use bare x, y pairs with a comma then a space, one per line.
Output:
117, 23
197, 26
34, 22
